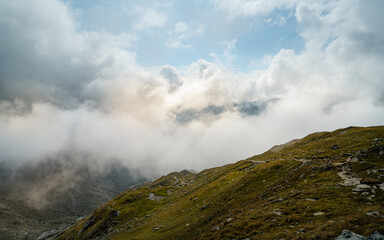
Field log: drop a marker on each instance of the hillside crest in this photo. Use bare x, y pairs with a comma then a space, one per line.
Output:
311, 188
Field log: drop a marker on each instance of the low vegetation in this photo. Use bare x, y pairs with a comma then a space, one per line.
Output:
311, 188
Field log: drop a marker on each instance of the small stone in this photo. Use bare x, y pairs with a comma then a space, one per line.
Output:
277, 212
345, 234
229, 219
216, 228
373, 213
205, 206
318, 213
302, 230
153, 197
279, 200
371, 197
310, 199
377, 148
363, 186
334, 147
357, 190
327, 167
381, 153
157, 227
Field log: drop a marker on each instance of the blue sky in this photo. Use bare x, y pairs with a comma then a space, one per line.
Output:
255, 37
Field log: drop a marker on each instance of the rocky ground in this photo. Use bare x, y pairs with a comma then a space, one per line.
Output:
348, 235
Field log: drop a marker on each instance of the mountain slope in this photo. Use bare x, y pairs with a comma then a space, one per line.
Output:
310, 188
53, 193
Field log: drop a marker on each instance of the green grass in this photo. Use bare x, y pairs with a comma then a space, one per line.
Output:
245, 199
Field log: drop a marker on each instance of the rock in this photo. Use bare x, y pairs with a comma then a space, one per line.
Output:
377, 148
357, 190
153, 197
277, 212
157, 228
350, 179
216, 228
205, 206
363, 186
353, 159
381, 153
311, 199
334, 147
302, 230
327, 167
50, 233
373, 213
338, 164
348, 235
376, 236
371, 197
318, 213
229, 219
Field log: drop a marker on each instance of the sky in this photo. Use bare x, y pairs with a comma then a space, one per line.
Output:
169, 85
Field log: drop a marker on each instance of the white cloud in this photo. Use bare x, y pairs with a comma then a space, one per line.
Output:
182, 32
86, 91
227, 57
44, 56
248, 8
149, 18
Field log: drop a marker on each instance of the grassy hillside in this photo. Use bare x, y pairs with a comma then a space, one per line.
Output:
306, 189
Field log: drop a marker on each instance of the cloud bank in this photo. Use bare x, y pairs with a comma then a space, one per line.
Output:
63, 89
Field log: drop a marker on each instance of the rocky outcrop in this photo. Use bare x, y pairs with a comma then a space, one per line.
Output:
348, 235
50, 234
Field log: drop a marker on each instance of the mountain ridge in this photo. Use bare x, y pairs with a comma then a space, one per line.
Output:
311, 188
